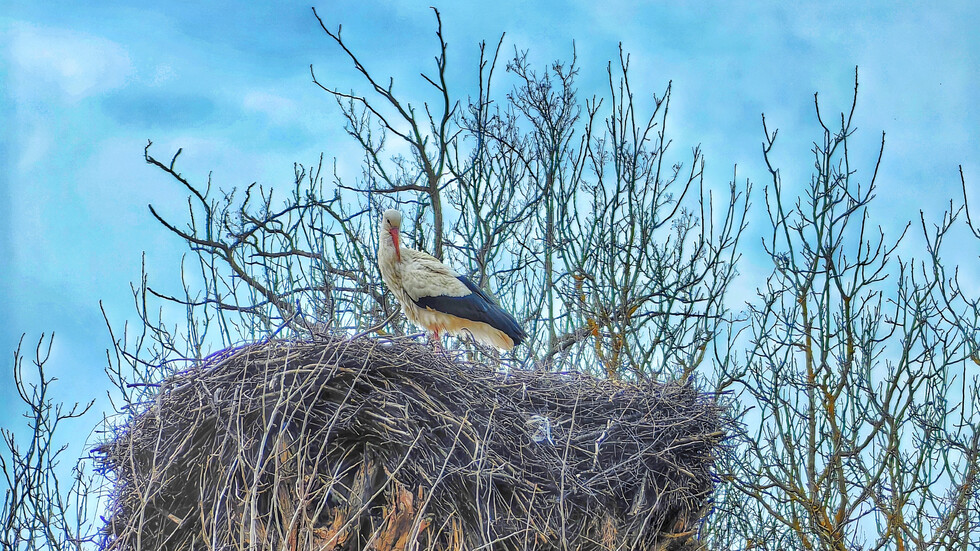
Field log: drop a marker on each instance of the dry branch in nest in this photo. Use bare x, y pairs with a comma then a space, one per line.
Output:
384, 444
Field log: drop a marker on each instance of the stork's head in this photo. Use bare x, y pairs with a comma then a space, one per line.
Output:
391, 222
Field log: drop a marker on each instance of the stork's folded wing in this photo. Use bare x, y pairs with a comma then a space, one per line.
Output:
476, 305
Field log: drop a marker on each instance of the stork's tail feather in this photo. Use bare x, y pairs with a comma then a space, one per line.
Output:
499, 319
477, 306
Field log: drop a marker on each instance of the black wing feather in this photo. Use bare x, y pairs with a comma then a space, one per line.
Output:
476, 306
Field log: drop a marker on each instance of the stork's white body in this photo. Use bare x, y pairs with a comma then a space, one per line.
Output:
435, 297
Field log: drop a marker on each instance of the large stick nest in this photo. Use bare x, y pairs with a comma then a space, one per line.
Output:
385, 444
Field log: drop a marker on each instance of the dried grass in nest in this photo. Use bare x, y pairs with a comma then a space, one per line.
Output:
384, 444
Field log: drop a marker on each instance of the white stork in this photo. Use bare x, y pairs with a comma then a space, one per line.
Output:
435, 297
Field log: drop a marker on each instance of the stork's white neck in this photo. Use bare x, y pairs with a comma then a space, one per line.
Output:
388, 258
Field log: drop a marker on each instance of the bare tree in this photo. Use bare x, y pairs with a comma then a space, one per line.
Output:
859, 411
570, 211
428, 138
41, 508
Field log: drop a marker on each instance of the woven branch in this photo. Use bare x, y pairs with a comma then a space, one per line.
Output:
384, 444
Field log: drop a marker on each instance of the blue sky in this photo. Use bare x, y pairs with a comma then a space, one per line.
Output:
83, 88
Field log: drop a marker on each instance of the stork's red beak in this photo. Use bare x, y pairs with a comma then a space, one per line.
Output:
394, 239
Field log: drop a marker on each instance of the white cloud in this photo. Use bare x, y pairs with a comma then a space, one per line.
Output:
44, 60
34, 147
277, 108
161, 74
